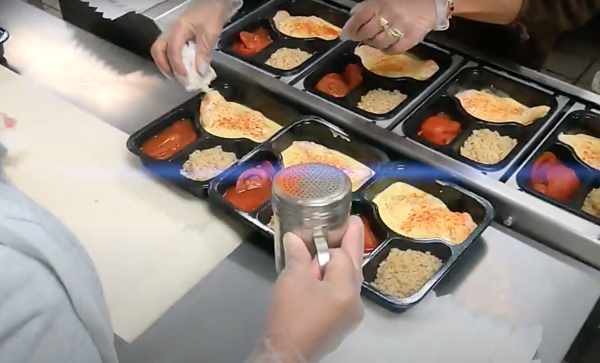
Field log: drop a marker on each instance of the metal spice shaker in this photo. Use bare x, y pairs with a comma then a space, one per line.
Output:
312, 201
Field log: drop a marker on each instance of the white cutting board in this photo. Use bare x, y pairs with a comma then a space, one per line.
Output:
149, 242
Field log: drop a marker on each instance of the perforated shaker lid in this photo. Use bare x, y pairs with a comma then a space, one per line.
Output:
311, 185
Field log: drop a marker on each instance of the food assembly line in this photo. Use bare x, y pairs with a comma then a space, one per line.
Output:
422, 135
451, 106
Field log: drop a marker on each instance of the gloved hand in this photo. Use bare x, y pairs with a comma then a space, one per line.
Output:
311, 314
413, 18
201, 24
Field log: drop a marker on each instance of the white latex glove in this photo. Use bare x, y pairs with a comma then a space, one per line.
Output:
311, 314
200, 24
414, 18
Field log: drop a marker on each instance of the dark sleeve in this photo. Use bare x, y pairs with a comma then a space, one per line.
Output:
551, 17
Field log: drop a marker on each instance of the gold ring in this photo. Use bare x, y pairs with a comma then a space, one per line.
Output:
392, 32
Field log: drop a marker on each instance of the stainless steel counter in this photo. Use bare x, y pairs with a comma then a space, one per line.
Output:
507, 276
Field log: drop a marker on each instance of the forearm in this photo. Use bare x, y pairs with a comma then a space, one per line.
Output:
488, 11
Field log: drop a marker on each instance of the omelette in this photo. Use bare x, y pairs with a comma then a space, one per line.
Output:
413, 213
231, 120
489, 107
586, 147
397, 65
306, 152
305, 26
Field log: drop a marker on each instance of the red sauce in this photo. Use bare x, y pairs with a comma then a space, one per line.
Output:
252, 42
552, 178
371, 242
339, 85
171, 140
439, 129
252, 189
333, 84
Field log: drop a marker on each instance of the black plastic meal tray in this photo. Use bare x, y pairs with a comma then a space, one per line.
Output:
478, 78
386, 172
337, 61
233, 89
578, 122
264, 19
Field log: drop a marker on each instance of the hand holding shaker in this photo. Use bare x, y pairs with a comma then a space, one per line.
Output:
313, 202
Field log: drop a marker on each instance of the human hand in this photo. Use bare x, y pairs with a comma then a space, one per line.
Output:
412, 18
311, 314
201, 24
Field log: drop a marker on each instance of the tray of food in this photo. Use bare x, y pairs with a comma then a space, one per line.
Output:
285, 37
565, 169
417, 223
485, 119
201, 138
372, 84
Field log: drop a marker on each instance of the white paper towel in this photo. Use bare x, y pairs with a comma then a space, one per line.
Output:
435, 331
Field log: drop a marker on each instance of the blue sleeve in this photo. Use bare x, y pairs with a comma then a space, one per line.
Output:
51, 304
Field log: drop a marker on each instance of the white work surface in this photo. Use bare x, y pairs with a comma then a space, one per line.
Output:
150, 243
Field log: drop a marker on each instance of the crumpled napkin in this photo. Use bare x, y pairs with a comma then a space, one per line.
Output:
194, 80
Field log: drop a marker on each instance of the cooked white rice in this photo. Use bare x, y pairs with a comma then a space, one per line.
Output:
487, 147
591, 205
403, 273
203, 165
379, 101
287, 58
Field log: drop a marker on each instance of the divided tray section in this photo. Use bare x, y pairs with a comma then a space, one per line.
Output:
264, 20
454, 197
337, 61
308, 129
575, 123
170, 168
444, 102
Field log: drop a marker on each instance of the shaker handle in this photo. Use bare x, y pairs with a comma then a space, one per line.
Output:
322, 248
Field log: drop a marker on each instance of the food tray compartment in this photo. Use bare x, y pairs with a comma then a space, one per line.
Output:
240, 147
578, 122
232, 89
259, 217
439, 250
264, 19
337, 61
444, 101
456, 198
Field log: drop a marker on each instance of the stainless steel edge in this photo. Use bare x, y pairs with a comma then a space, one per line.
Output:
505, 172
521, 212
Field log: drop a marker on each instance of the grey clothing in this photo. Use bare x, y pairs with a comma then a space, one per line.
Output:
52, 308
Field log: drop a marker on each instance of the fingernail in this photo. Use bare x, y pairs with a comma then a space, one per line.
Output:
203, 69
164, 74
